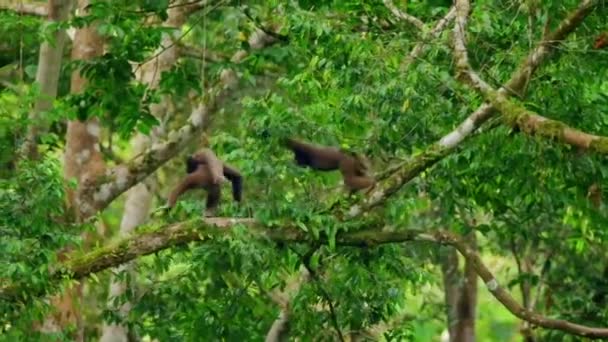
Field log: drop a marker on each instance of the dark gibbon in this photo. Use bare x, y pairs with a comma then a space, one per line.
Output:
206, 171
354, 168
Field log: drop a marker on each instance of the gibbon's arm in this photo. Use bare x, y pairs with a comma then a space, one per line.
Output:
212, 163
199, 178
237, 181
191, 181
316, 157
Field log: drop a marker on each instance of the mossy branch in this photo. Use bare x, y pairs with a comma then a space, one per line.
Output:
203, 230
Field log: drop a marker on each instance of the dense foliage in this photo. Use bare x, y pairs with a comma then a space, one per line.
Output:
339, 78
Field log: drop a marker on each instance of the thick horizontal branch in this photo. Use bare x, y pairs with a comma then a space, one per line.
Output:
38, 9
202, 229
437, 151
146, 243
531, 123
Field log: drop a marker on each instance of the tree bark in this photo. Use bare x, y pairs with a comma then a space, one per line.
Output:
451, 287
83, 162
467, 301
47, 75
139, 198
279, 331
460, 291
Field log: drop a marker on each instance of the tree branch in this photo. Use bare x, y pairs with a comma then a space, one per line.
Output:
146, 243
514, 114
279, 330
532, 123
38, 9
437, 151
505, 298
122, 177
412, 20
433, 34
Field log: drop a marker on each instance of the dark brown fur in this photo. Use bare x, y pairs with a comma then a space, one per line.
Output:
206, 171
354, 168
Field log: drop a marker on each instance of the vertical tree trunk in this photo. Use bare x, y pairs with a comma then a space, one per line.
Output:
451, 287
47, 75
279, 331
82, 162
82, 159
139, 198
460, 294
467, 302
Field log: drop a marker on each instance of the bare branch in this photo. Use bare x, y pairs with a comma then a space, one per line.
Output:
404, 16
463, 67
280, 328
505, 298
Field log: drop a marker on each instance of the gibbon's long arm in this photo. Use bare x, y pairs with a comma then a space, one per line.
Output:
236, 179
354, 169
191, 181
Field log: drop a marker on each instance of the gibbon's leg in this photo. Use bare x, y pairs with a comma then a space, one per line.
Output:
214, 193
191, 181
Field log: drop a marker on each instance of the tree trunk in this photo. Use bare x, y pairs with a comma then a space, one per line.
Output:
139, 198
82, 162
451, 287
47, 75
467, 303
460, 291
